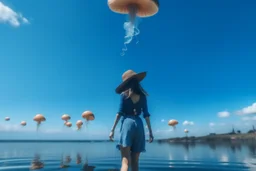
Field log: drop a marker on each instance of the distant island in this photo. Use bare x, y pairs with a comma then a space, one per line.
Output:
212, 137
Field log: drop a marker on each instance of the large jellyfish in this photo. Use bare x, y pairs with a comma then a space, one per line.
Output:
7, 118
173, 123
139, 8
39, 118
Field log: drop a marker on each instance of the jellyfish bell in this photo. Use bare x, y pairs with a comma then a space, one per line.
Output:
7, 118
143, 8
23, 123
39, 118
68, 124
140, 8
65, 117
186, 131
173, 123
88, 115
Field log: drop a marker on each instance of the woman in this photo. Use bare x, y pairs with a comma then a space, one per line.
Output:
132, 135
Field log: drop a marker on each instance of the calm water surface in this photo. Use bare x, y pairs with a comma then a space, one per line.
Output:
103, 156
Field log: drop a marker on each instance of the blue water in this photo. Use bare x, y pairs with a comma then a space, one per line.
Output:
104, 156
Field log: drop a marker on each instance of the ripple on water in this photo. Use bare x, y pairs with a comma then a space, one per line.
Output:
146, 164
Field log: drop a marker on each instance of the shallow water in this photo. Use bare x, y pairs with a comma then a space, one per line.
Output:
104, 156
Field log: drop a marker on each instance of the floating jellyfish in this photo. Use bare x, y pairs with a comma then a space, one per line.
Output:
23, 123
186, 131
134, 8
65, 118
68, 124
39, 118
88, 115
79, 124
6, 118
173, 123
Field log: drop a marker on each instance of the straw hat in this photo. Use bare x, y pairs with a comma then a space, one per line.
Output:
128, 75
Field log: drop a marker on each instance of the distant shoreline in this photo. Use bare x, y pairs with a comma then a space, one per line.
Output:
52, 141
213, 137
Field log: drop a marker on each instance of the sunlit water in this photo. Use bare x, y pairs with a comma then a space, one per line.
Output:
104, 156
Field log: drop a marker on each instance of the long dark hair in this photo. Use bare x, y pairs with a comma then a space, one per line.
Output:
134, 86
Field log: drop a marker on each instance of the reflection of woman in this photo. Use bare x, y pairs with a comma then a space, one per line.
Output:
132, 135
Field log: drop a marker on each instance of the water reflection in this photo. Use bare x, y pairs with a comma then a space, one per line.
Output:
36, 163
78, 158
184, 155
65, 162
87, 167
252, 149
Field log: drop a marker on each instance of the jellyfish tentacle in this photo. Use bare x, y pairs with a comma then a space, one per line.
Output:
136, 33
129, 27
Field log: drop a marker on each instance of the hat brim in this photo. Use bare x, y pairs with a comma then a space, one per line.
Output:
140, 76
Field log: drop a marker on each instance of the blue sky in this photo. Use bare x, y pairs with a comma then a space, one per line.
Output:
64, 57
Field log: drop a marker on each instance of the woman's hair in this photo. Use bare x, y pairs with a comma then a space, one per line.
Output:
133, 86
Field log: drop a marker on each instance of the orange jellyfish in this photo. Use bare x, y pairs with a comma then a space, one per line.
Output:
139, 8
7, 119
68, 124
65, 118
173, 123
89, 116
79, 124
39, 118
23, 123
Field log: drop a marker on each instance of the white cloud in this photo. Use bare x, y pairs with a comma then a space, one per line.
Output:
248, 110
188, 123
162, 120
7, 15
163, 131
14, 128
211, 124
247, 118
223, 114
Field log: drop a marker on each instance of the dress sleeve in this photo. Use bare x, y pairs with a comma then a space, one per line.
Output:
121, 105
145, 108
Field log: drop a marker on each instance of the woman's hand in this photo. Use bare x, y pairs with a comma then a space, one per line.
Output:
111, 136
151, 137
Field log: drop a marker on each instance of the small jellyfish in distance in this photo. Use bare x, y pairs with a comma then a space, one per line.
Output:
173, 123
68, 124
88, 116
39, 118
186, 132
7, 118
65, 118
134, 8
79, 124
23, 123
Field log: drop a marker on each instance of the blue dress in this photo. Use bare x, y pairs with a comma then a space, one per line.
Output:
132, 132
